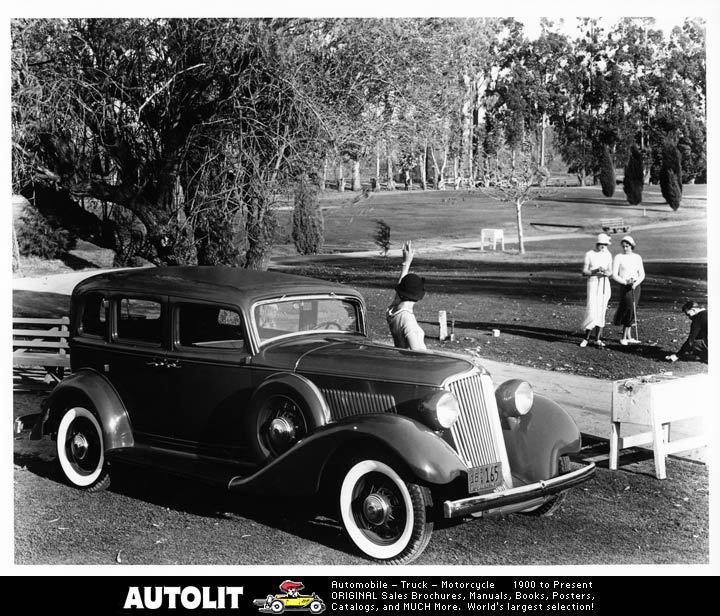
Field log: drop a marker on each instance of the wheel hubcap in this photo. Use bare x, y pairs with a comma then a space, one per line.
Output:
283, 425
376, 509
281, 433
79, 446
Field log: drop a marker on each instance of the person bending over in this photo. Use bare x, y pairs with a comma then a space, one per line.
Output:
696, 345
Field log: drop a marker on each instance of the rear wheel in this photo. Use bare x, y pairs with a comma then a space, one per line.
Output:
551, 505
80, 450
384, 516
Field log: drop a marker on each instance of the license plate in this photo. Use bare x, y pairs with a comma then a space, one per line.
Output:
484, 477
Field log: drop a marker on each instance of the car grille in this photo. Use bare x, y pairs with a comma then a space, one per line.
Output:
346, 403
477, 433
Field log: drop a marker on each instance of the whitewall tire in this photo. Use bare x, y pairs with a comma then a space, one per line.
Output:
80, 450
384, 516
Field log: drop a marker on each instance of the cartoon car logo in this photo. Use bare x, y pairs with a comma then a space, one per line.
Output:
290, 599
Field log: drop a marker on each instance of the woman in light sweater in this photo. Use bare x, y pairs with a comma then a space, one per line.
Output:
406, 332
628, 270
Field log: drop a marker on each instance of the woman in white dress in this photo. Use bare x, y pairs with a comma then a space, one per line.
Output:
597, 267
628, 270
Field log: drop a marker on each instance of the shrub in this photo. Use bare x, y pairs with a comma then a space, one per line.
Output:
633, 180
382, 236
308, 227
607, 173
37, 237
671, 176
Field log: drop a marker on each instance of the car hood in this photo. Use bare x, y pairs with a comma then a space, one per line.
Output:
358, 357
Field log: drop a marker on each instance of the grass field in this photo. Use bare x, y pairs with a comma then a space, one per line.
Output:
430, 217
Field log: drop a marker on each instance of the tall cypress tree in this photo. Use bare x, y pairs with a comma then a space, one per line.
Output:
308, 224
634, 176
671, 175
607, 173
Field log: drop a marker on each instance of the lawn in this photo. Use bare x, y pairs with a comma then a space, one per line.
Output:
536, 300
432, 216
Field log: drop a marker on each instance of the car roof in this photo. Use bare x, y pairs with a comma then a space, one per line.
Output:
212, 283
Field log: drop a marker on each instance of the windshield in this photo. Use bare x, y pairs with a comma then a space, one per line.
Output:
285, 317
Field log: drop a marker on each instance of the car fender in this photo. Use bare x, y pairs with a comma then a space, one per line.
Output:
93, 386
535, 441
303, 387
424, 454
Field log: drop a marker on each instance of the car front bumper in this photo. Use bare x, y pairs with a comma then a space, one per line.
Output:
513, 500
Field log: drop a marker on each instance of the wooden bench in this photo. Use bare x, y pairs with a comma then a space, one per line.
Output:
613, 225
492, 235
41, 342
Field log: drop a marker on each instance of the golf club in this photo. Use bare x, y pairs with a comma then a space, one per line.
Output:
637, 336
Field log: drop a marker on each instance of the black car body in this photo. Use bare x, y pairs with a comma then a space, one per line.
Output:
243, 379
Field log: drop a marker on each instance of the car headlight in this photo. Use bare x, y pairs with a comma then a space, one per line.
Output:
514, 398
440, 410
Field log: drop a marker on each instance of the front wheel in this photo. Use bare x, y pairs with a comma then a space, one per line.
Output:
80, 450
385, 516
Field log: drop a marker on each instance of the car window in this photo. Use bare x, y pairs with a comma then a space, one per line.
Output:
290, 316
211, 327
139, 320
93, 321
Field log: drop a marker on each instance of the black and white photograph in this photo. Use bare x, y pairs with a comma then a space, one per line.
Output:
384, 288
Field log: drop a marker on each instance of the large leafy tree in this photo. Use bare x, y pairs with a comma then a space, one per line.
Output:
177, 121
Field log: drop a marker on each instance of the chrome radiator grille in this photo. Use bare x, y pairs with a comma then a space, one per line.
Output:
477, 433
345, 403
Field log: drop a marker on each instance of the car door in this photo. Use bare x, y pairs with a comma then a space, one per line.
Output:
135, 362
209, 377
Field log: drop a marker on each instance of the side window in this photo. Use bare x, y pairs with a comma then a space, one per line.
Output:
93, 321
207, 326
139, 320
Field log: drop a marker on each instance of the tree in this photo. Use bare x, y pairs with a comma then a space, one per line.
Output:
307, 219
633, 179
607, 173
515, 179
382, 236
176, 120
671, 176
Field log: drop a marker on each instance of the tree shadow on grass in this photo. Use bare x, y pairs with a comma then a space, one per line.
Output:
304, 519
538, 333
646, 351
40, 304
609, 202
667, 282
77, 263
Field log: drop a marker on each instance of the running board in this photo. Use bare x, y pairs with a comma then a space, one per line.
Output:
212, 471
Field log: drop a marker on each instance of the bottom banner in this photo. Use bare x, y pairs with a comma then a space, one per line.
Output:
569, 596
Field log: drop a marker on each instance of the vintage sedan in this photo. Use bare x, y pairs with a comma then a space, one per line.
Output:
267, 382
